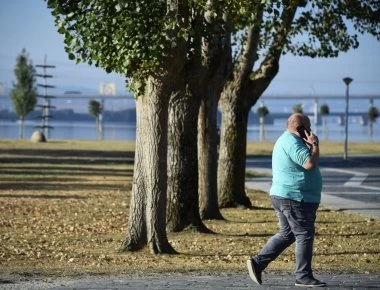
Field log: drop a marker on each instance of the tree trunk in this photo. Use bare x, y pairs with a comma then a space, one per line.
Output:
101, 127
150, 182
97, 127
183, 209
208, 157
137, 238
262, 128
325, 128
232, 153
147, 217
218, 60
21, 129
156, 167
240, 94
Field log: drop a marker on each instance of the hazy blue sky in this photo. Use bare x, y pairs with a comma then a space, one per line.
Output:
28, 24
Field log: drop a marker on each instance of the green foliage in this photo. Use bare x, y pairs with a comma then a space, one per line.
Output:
373, 114
262, 111
325, 110
95, 108
128, 37
322, 28
24, 92
135, 37
298, 108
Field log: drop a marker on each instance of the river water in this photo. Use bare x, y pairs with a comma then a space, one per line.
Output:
279, 110
124, 131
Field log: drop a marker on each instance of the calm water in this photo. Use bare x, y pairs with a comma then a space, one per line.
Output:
279, 109
122, 131
71, 130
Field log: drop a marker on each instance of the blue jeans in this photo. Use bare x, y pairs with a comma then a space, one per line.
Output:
296, 220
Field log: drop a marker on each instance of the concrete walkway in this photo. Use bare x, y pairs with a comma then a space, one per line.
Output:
197, 281
352, 185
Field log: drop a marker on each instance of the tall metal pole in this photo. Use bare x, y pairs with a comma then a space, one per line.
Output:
315, 112
347, 81
46, 105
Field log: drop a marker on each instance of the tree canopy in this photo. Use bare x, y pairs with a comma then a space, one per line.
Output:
127, 37
373, 114
325, 110
24, 92
262, 111
95, 108
133, 37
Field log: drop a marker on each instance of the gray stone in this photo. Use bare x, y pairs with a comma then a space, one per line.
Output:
38, 137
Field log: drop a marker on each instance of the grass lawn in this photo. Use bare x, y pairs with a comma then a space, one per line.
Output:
64, 211
326, 148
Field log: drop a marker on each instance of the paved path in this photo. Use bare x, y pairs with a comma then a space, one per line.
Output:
352, 185
197, 281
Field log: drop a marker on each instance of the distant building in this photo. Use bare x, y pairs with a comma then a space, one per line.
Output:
108, 89
2, 89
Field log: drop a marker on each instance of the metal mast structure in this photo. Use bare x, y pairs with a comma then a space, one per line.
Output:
44, 127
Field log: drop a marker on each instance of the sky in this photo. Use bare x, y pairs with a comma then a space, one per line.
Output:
28, 24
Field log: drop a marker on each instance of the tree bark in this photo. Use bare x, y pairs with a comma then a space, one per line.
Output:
240, 94
183, 209
208, 157
370, 130
147, 217
97, 127
262, 129
137, 237
147, 220
218, 62
156, 167
21, 129
232, 152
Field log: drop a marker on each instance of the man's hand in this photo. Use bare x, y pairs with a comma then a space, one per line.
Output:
311, 139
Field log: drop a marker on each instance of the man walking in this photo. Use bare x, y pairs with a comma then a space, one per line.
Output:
295, 195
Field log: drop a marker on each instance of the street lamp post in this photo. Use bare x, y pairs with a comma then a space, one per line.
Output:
347, 81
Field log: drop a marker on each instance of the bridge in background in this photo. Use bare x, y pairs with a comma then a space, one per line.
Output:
274, 116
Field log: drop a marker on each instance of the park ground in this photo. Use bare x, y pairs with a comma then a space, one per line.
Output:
64, 211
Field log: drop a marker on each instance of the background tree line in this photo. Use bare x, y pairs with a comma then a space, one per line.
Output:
182, 59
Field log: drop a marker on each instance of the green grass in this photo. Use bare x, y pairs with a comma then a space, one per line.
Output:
326, 148
64, 211
249, 173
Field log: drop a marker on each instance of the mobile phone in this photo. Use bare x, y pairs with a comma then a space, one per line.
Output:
301, 130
